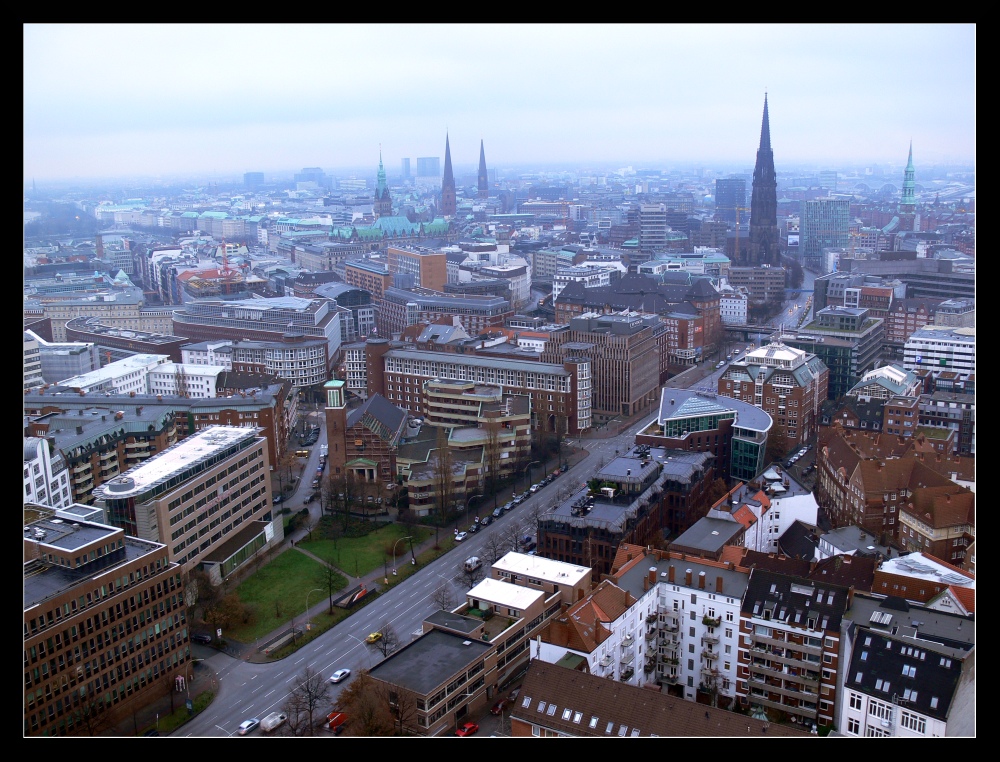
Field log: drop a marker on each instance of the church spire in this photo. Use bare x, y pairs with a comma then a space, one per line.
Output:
383, 201
484, 180
908, 201
765, 130
448, 201
763, 245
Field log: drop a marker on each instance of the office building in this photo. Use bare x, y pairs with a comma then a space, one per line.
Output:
429, 166
730, 199
824, 224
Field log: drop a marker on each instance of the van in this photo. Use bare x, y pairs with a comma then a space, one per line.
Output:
302, 453
273, 721
473, 563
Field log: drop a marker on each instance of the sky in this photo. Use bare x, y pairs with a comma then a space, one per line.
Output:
162, 100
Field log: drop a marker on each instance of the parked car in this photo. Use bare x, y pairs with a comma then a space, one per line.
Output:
473, 528
534, 488
498, 512
276, 498
248, 726
468, 729
485, 521
339, 675
201, 637
564, 468
498, 707
461, 536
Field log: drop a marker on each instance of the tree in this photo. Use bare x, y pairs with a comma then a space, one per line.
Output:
495, 547
228, 611
493, 451
332, 581
283, 470
401, 705
443, 597
389, 641
469, 577
310, 691
777, 443
444, 480
366, 710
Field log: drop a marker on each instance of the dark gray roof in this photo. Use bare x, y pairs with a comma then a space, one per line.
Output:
381, 410
794, 600
423, 664
709, 535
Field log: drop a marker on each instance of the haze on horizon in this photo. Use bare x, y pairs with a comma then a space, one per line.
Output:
224, 99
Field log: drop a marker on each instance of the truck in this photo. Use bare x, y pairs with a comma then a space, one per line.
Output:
335, 722
473, 563
273, 721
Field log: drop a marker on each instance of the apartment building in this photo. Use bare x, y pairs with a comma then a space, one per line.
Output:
590, 277
951, 411
46, 474
207, 498
105, 624
788, 384
761, 284
908, 674
32, 361
400, 308
428, 266
368, 275
122, 308
790, 645
299, 360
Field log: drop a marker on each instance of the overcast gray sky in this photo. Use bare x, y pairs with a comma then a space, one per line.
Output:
124, 100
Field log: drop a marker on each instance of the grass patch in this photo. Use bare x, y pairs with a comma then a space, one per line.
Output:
359, 555
276, 593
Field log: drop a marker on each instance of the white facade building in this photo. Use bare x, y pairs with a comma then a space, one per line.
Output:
195, 381
590, 277
938, 347
130, 374
46, 477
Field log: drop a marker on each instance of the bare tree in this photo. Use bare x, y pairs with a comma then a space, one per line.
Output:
283, 470
332, 580
469, 577
443, 597
389, 641
401, 705
493, 451
310, 692
495, 547
444, 480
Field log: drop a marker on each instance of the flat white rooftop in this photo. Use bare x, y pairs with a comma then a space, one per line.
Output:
544, 569
175, 459
925, 567
505, 594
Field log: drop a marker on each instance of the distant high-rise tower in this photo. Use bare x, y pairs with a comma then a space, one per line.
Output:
405, 169
763, 248
448, 202
730, 199
382, 207
484, 178
908, 203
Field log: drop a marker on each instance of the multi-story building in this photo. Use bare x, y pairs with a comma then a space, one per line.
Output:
787, 383
59, 361
32, 361
686, 635
733, 303
400, 308
560, 393
105, 624
901, 416
300, 361
941, 347
360, 323
354, 370
904, 318
274, 320
885, 382
824, 223
790, 645
907, 674
849, 324
652, 228
957, 313
46, 475
731, 199
207, 498
590, 277
624, 359
954, 411
733, 431
546, 262
761, 284
118, 343
429, 267
368, 275
122, 308
627, 501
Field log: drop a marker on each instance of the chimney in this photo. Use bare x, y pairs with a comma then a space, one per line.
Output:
687, 577
701, 580
670, 573
718, 585
652, 575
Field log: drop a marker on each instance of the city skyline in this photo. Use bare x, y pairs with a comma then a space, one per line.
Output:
228, 99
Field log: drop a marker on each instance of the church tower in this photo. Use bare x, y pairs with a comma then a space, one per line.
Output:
382, 207
908, 203
484, 178
448, 203
763, 248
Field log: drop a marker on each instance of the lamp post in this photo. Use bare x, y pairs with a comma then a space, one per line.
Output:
364, 647
306, 612
527, 470
473, 497
394, 552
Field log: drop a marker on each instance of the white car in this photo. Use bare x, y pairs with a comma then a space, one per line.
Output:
339, 675
248, 725
461, 536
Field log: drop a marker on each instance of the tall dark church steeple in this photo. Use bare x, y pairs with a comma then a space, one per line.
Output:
484, 178
448, 202
383, 201
763, 248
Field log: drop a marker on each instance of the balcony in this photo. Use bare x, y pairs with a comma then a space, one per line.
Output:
651, 634
710, 638
711, 621
627, 674
651, 619
671, 627
709, 654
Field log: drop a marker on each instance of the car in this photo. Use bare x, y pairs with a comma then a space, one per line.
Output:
461, 536
373, 637
720, 364
468, 729
248, 726
485, 521
564, 468
514, 694
473, 529
498, 707
508, 505
534, 488
498, 512
276, 499
201, 637
340, 675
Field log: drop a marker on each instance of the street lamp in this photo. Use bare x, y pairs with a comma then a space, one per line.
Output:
394, 552
473, 497
306, 612
527, 469
364, 648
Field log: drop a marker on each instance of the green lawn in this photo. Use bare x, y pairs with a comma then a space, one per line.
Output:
356, 556
276, 593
